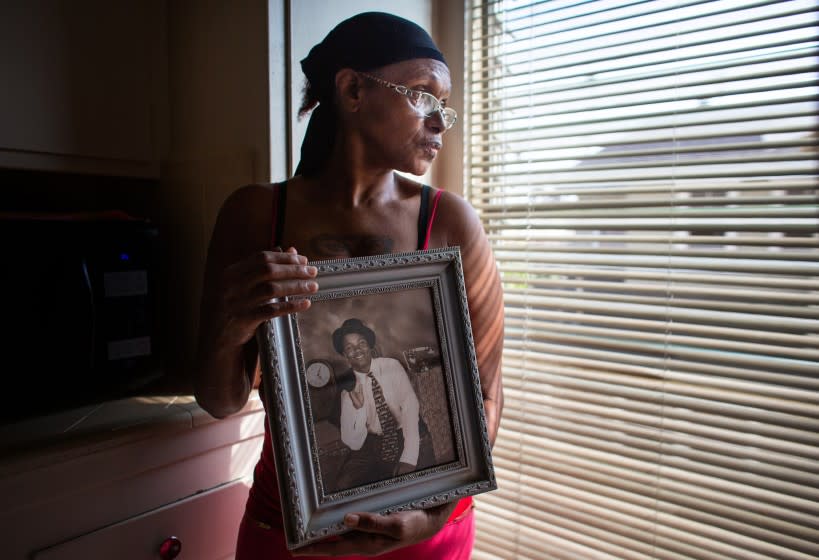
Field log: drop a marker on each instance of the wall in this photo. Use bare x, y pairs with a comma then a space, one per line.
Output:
449, 34
218, 141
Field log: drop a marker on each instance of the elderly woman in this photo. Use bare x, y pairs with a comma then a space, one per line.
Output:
377, 87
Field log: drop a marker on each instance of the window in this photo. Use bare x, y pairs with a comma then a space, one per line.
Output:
647, 174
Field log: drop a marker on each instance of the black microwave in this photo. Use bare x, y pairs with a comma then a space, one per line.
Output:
81, 303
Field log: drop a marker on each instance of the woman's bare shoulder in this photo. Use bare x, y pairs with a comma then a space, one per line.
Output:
248, 197
245, 219
456, 220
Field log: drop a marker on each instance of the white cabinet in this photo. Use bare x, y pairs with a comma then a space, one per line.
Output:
155, 468
205, 525
82, 85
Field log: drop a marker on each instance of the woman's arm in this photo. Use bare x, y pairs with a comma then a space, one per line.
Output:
243, 282
460, 226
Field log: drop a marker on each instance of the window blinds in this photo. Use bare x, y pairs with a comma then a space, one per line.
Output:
647, 174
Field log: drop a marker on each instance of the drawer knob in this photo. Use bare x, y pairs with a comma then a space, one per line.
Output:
170, 548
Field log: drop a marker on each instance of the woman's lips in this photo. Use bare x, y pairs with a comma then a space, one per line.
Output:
431, 148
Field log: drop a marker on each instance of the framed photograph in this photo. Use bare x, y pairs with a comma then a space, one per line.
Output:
373, 394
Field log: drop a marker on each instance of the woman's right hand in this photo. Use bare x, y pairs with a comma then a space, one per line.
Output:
238, 298
265, 285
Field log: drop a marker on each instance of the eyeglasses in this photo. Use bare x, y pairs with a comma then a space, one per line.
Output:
424, 103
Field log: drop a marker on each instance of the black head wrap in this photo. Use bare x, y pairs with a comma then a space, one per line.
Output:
363, 42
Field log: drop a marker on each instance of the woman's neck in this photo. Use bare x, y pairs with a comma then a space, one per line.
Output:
350, 180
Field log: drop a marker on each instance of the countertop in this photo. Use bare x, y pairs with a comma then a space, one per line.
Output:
39, 441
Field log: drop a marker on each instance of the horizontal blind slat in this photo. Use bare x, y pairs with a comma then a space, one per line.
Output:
665, 202
680, 188
549, 283
620, 248
806, 268
668, 275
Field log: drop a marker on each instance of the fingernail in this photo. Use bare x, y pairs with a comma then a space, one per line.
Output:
351, 520
310, 270
311, 286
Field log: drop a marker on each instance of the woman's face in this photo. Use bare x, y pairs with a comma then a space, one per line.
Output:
395, 135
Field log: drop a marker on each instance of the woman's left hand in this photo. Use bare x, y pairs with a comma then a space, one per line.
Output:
375, 534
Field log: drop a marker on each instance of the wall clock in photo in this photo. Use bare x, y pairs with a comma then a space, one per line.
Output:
318, 373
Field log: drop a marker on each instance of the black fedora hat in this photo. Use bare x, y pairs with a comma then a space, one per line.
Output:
352, 326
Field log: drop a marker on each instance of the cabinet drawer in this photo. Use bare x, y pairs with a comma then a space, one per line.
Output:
206, 524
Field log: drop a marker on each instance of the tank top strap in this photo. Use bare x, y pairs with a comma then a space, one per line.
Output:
426, 216
277, 212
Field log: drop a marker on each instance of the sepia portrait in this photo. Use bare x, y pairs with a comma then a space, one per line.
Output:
377, 390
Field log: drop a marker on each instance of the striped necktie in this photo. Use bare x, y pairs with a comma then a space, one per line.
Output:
389, 427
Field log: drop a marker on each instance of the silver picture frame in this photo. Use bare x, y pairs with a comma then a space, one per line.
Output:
416, 305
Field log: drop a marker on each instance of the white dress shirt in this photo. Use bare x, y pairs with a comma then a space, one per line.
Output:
357, 423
